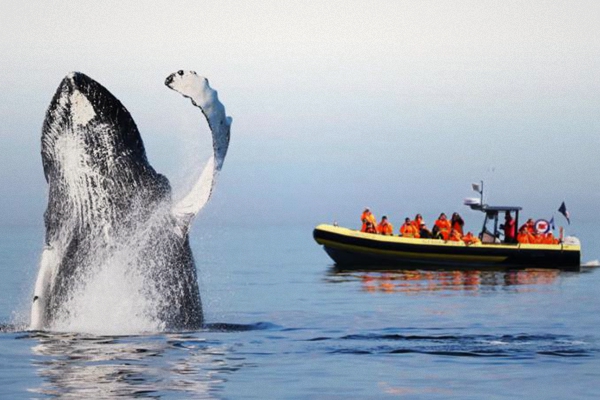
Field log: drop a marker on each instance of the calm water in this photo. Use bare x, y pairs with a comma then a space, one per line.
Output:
282, 323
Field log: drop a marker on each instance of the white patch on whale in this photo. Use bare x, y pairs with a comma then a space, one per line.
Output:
83, 111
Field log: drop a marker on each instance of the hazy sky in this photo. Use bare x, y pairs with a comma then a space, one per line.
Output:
399, 105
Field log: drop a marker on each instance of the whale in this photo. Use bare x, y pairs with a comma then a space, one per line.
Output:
107, 206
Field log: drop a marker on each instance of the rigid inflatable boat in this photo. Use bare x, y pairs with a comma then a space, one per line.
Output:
355, 249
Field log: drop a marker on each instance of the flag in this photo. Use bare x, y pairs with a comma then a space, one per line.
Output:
563, 210
551, 222
476, 187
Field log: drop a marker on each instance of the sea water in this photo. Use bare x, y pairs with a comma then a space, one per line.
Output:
283, 323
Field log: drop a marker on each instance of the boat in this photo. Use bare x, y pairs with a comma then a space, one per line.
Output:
352, 249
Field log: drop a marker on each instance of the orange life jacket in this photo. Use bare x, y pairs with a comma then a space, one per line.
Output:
529, 227
548, 238
443, 228
469, 238
408, 230
454, 236
369, 223
457, 227
526, 238
417, 223
385, 228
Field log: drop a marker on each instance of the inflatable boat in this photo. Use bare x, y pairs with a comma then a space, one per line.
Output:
354, 249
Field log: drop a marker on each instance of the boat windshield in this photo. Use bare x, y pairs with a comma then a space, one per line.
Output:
492, 229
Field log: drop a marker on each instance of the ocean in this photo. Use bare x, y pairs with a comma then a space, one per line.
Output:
282, 322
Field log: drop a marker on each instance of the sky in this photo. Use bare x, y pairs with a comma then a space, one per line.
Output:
336, 105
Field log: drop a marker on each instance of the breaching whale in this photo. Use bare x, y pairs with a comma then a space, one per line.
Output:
108, 206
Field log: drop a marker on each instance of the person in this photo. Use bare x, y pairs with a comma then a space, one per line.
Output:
548, 238
418, 221
408, 229
529, 225
369, 222
442, 227
525, 236
509, 228
454, 236
470, 239
457, 223
424, 232
385, 228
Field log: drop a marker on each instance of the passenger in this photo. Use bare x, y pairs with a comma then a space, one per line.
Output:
509, 228
442, 227
549, 238
470, 239
529, 225
384, 227
525, 236
418, 221
408, 229
424, 232
455, 236
457, 223
369, 222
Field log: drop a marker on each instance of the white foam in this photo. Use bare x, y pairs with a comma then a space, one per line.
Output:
592, 263
112, 299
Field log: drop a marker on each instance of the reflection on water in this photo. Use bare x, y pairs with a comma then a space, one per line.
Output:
436, 281
74, 365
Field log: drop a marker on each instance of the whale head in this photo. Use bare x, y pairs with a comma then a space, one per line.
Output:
93, 156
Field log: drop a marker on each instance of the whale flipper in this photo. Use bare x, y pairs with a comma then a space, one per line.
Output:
197, 89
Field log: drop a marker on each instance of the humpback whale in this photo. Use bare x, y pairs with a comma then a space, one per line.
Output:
108, 209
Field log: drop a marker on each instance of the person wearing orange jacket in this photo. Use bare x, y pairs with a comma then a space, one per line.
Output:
470, 239
408, 229
418, 221
455, 236
525, 236
442, 227
548, 238
529, 225
457, 223
385, 228
369, 223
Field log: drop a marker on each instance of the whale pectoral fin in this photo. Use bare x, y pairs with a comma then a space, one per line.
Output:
197, 89
187, 208
43, 284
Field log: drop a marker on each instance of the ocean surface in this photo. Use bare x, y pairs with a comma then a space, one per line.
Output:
283, 323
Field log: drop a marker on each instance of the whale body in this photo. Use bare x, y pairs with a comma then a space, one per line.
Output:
108, 208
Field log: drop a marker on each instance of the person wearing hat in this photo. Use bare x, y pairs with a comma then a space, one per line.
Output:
385, 228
